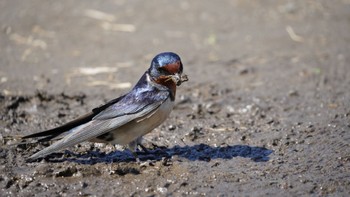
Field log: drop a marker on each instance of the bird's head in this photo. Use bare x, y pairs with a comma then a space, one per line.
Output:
166, 69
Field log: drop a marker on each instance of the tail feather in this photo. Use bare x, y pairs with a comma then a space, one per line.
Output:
63, 130
52, 133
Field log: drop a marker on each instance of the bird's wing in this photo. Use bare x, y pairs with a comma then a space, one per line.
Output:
52, 133
106, 122
133, 102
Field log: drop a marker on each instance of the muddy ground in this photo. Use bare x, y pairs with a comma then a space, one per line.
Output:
266, 111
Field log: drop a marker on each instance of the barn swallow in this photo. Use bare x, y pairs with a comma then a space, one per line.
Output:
126, 119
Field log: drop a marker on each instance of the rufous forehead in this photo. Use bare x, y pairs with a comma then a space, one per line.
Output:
173, 67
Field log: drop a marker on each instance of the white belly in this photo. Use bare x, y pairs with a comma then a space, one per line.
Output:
139, 127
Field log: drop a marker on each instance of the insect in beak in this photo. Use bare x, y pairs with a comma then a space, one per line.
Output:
178, 79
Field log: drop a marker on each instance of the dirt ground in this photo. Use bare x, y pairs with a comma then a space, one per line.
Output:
266, 111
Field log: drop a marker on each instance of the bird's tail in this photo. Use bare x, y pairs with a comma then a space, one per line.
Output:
55, 132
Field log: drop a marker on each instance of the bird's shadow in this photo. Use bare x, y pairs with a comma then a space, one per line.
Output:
200, 152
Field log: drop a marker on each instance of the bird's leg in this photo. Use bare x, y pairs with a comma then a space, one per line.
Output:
144, 149
139, 143
114, 149
132, 146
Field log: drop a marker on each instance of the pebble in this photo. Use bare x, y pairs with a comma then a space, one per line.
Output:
213, 108
171, 127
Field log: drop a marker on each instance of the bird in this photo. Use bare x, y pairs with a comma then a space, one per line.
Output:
123, 120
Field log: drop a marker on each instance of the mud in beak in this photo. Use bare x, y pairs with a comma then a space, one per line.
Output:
179, 78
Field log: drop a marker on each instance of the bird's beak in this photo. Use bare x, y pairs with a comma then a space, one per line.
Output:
179, 78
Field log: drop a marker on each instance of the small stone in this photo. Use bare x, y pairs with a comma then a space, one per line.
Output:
167, 162
197, 108
184, 99
293, 93
66, 172
162, 190
213, 108
171, 127
243, 71
83, 184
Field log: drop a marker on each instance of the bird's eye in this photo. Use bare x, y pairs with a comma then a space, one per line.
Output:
162, 70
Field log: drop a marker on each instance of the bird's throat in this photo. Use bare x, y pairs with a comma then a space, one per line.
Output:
169, 83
